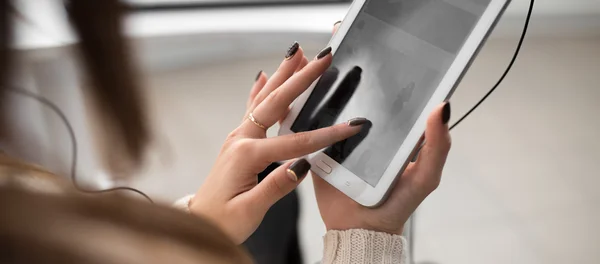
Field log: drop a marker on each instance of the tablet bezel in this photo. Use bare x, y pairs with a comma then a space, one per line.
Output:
342, 178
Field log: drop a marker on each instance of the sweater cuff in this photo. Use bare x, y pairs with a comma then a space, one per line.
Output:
359, 246
183, 204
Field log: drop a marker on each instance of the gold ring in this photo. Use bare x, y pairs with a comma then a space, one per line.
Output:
251, 118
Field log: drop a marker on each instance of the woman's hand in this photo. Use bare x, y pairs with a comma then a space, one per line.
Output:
339, 212
231, 196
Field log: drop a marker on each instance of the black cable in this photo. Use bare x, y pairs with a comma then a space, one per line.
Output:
508, 68
71, 131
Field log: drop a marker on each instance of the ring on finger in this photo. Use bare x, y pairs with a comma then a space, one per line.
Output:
253, 120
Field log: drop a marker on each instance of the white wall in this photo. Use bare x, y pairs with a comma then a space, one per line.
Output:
557, 7
46, 25
37, 134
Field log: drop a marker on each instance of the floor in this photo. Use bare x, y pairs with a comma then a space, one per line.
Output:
520, 185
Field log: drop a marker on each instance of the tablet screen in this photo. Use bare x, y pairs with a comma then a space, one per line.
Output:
386, 69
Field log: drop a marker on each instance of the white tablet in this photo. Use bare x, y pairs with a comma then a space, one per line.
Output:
393, 62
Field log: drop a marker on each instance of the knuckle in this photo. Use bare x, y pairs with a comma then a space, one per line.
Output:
242, 146
275, 189
434, 184
274, 96
254, 102
336, 133
233, 135
447, 143
229, 142
257, 100
427, 184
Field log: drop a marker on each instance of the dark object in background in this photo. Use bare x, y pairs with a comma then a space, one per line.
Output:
327, 115
331, 109
327, 81
115, 86
276, 240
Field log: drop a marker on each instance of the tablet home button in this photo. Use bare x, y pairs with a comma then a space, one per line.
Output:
324, 167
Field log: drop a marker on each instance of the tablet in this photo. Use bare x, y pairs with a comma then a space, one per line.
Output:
393, 62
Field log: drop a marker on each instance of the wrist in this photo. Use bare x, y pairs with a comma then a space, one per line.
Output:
193, 207
196, 207
398, 230
227, 223
190, 205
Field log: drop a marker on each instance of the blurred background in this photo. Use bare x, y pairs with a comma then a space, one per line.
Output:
520, 185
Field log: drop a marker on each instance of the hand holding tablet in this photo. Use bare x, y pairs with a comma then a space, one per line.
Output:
339, 212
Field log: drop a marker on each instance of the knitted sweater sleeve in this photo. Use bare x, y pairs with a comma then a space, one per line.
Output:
359, 246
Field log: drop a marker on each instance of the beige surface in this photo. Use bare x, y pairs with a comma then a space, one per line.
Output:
521, 182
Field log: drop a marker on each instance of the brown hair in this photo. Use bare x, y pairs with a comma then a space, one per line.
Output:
75, 228
38, 228
113, 85
43, 220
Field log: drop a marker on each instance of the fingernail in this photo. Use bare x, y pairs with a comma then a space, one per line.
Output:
446, 113
359, 121
258, 75
336, 23
292, 50
323, 53
298, 169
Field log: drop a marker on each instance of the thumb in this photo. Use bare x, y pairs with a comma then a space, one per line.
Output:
336, 26
278, 184
437, 145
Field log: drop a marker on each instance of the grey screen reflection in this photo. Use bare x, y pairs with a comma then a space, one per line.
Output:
386, 69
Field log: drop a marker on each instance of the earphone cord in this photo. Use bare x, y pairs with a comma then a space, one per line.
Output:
64, 119
508, 68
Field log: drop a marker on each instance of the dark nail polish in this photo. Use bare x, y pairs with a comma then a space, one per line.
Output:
292, 50
258, 75
298, 169
336, 23
323, 53
446, 113
359, 121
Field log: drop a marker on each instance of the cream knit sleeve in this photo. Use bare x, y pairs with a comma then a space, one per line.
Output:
183, 203
359, 246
